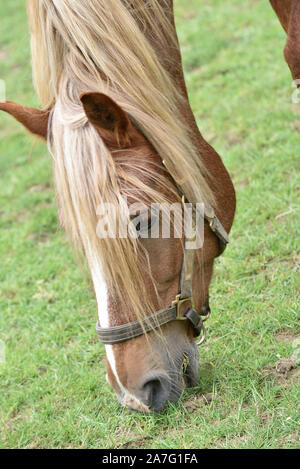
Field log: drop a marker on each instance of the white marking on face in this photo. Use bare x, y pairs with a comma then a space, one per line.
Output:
102, 302
100, 287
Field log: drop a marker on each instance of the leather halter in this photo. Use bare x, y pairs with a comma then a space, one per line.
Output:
119, 334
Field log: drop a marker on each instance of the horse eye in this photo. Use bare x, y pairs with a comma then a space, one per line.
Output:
144, 224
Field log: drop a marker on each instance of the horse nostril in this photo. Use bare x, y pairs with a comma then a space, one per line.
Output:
155, 392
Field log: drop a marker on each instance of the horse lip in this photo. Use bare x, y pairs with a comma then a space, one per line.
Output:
133, 403
190, 379
191, 374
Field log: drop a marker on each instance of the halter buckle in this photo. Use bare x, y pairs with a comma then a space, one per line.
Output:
178, 302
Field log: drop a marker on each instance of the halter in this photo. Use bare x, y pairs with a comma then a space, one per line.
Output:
119, 334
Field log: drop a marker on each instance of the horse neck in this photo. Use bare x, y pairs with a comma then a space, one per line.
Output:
221, 183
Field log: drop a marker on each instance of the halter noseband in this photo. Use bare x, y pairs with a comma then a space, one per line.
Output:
119, 334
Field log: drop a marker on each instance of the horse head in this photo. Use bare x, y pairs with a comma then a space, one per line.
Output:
122, 135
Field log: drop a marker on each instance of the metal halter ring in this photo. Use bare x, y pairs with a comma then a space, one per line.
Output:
203, 338
205, 315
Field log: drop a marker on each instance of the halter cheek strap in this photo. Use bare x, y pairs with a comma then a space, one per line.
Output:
182, 308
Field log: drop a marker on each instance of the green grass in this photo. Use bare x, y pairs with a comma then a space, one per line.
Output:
53, 389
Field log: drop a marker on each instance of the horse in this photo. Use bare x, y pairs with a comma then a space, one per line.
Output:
119, 125
288, 12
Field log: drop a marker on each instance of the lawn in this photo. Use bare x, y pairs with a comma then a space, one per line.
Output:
53, 391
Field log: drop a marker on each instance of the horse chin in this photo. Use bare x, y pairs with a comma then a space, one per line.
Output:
191, 371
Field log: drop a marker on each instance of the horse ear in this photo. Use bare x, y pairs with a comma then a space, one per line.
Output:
34, 120
109, 118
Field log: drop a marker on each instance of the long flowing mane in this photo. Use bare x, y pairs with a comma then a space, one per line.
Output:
101, 45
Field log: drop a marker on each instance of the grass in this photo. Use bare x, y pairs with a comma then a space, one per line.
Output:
53, 389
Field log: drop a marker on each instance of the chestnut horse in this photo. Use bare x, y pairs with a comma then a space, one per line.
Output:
115, 105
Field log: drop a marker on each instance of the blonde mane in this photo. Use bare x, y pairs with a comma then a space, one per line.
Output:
101, 45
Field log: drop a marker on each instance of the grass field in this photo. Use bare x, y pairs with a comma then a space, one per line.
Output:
52, 386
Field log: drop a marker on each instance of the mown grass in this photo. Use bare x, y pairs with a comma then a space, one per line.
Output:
53, 389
